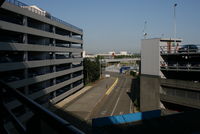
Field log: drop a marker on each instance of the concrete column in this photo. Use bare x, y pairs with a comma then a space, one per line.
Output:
54, 94
53, 29
71, 65
71, 86
54, 42
70, 45
25, 22
70, 34
71, 75
25, 56
149, 92
70, 54
25, 39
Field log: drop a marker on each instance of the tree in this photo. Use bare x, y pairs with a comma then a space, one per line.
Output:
91, 70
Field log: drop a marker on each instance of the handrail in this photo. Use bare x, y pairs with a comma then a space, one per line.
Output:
52, 119
42, 13
187, 67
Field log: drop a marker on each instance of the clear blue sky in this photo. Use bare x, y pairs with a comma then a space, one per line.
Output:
118, 24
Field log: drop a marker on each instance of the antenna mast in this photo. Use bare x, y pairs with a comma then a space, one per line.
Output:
144, 30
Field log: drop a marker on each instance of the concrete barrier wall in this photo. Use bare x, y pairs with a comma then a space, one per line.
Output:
126, 118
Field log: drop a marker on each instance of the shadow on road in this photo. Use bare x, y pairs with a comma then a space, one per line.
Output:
78, 122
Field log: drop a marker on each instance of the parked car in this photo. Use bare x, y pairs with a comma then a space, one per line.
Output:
188, 48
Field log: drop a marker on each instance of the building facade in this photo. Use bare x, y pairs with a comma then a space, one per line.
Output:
40, 55
169, 75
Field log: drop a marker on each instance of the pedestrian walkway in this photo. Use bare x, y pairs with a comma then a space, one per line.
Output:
72, 97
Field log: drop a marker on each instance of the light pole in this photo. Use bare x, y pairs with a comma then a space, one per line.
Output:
175, 23
100, 71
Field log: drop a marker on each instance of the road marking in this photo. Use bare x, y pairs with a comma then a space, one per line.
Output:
112, 87
131, 106
115, 106
117, 100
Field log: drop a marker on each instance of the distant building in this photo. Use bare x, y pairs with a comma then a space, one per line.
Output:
123, 53
169, 75
40, 55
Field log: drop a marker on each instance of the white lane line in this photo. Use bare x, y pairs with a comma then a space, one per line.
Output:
118, 99
115, 106
131, 106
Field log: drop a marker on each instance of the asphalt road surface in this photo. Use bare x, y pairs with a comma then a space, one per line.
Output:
96, 103
118, 101
82, 106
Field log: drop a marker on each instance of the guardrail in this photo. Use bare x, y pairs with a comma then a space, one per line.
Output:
42, 13
178, 66
36, 123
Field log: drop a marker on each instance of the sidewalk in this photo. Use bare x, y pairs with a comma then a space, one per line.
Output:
72, 97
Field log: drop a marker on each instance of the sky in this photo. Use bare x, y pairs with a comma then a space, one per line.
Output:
117, 25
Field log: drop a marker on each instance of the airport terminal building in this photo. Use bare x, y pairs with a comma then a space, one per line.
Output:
40, 55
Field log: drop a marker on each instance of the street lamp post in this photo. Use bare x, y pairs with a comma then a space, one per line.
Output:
100, 68
175, 23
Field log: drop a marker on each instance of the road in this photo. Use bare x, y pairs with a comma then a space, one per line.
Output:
97, 103
118, 101
82, 106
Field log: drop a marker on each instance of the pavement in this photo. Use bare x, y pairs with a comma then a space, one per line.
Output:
72, 97
83, 102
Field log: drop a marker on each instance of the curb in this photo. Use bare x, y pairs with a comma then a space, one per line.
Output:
72, 97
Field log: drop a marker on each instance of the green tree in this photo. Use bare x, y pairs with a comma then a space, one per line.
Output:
91, 70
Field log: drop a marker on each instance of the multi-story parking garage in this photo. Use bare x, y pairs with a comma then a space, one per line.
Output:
40, 55
169, 75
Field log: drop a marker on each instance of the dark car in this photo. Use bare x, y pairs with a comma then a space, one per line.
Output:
188, 48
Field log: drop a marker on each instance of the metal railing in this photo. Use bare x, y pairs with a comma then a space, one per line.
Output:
41, 114
174, 49
179, 66
42, 13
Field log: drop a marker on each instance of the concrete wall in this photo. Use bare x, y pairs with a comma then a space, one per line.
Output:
39, 48
24, 29
150, 57
40, 78
185, 93
37, 63
42, 92
149, 92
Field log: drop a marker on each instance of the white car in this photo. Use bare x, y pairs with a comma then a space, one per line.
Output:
107, 75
